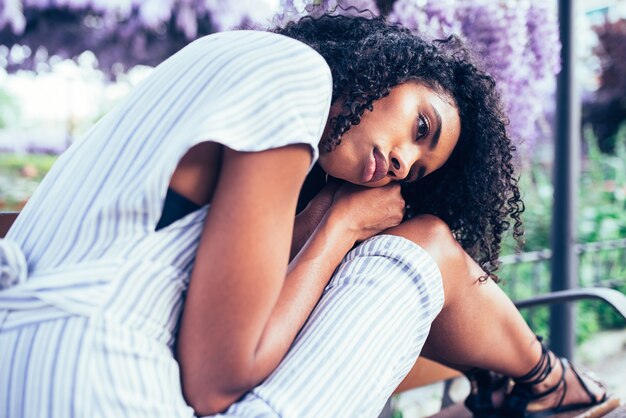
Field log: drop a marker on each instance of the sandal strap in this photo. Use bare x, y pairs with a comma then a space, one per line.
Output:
541, 370
555, 387
517, 401
592, 397
559, 408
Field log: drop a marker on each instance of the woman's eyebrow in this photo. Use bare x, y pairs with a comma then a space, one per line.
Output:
437, 134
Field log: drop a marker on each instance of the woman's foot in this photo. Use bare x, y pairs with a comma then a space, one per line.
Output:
490, 391
554, 386
570, 391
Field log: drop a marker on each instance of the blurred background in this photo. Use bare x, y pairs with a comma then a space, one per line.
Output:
65, 63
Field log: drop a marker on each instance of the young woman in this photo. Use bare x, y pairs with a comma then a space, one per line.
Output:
159, 269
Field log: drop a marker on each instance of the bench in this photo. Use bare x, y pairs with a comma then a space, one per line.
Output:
458, 411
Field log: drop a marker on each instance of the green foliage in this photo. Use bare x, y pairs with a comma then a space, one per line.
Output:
538, 320
587, 320
602, 212
20, 174
9, 110
537, 193
16, 162
601, 217
602, 199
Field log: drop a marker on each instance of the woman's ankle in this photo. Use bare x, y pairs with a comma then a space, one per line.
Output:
544, 384
553, 378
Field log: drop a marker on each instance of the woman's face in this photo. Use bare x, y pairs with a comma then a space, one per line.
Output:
409, 134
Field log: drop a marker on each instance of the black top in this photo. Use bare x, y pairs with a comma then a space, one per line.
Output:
176, 206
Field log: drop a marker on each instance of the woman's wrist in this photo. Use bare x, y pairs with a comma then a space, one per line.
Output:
341, 224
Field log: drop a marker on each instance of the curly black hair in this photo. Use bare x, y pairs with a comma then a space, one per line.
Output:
476, 191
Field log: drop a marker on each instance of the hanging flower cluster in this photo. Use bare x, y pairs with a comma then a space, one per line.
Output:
294, 9
127, 32
434, 19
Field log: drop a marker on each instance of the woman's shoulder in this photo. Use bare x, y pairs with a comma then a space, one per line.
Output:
262, 38
276, 58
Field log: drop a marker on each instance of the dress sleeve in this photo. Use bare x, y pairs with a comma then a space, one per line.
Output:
254, 91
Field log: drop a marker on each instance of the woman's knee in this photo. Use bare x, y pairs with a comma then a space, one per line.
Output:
393, 267
432, 234
435, 237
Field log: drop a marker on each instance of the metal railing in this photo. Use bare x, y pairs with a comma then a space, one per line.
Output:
529, 274
600, 264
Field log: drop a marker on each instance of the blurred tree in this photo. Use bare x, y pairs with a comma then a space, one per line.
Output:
605, 110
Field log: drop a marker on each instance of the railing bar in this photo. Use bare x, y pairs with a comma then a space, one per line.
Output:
547, 254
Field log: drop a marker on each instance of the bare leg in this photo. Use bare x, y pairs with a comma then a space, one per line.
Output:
479, 326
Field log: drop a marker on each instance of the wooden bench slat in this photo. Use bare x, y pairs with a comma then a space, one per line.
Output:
459, 411
6, 220
618, 413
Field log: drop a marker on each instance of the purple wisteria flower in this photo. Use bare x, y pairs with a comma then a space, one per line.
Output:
121, 33
436, 19
295, 9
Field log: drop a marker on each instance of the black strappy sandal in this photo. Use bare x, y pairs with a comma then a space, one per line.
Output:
483, 385
517, 401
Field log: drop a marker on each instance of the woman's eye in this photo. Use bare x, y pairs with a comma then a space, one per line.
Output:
422, 127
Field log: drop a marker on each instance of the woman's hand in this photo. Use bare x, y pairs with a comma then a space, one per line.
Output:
366, 211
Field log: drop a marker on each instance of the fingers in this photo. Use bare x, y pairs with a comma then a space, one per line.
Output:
371, 210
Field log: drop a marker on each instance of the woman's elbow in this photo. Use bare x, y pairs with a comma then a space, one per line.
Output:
210, 394
211, 382
211, 402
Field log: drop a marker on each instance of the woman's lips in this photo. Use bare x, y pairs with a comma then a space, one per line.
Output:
376, 167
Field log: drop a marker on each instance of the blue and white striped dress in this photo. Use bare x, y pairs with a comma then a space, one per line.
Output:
92, 293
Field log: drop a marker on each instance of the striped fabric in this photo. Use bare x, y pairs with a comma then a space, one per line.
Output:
92, 296
360, 341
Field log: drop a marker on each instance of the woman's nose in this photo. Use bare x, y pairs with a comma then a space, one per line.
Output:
399, 164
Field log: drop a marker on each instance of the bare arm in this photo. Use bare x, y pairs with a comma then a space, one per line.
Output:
245, 304
237, 324
307, 221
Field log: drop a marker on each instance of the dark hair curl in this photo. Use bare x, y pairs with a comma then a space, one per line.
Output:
475, 192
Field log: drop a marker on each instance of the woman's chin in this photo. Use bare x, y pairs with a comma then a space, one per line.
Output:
358, 182
379, 183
